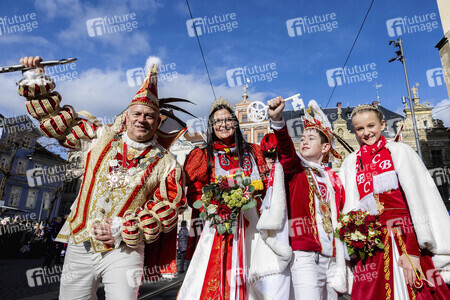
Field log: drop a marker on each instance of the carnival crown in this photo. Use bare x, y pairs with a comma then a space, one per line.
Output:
364, 107
320, 122
221, 102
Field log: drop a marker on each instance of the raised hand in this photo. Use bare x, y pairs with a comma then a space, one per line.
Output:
32, 62
276, 107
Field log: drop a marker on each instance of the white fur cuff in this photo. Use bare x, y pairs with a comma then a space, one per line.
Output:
115, 231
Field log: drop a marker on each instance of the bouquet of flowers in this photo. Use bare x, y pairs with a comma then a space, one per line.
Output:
223, 200
361, 232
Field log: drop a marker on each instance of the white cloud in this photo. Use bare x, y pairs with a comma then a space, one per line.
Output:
75, 35
441, 111
196, 88
106, 93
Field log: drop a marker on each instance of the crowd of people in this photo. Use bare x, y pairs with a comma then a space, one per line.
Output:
31, 239
274, 216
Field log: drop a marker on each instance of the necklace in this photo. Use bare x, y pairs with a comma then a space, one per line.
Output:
121, 172
324, 206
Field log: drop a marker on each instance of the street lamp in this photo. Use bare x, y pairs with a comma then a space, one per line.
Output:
401, 57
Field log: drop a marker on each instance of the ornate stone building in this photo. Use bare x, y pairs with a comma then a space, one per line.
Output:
253, 132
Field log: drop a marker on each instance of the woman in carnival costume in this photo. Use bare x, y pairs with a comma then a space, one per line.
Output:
220, 262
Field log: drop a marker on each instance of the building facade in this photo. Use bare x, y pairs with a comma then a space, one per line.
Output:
30, 175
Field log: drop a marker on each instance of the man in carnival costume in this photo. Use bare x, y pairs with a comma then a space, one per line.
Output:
314, 199
132, 189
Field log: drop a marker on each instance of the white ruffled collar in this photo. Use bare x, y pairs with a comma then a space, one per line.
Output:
310, 164
138, 145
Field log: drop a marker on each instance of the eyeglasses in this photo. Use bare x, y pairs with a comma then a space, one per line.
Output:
226, 121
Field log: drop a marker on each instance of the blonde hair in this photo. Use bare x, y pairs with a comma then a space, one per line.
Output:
368, 107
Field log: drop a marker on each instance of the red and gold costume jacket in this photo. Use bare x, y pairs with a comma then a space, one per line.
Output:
211, 283
304, 231
148, 195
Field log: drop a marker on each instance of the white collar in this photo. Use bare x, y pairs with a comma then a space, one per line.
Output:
138, 145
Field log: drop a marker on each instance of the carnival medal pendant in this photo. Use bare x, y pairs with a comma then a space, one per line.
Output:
326, 217
118, 177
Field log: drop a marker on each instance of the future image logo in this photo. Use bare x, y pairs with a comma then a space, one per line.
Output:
208, 25
166, 72
110, 25
353, 74
40, 276
309, 25
252, 74
407, 25
18, 23
435, 77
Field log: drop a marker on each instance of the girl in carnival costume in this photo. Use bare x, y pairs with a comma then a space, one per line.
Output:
390, 181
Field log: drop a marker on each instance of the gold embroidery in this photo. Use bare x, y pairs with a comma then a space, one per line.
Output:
313, 215
386, 258
388, 291
403, 246
324, 206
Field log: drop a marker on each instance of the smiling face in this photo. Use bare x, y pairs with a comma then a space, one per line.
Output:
223, 125
368, 127
142, 122
312, 147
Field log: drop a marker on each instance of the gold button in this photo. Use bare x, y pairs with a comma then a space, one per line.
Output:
102, 210
107, 200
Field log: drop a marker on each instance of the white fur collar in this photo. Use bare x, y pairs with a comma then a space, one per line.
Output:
138, 145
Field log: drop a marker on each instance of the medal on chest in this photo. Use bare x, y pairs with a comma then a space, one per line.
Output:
123, 167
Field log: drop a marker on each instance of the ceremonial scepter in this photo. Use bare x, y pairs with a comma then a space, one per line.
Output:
257, 110
47, 63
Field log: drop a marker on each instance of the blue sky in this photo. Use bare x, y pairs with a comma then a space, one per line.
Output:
260, 38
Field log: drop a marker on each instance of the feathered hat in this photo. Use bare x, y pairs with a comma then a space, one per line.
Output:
269, 144
148, 93
320, 122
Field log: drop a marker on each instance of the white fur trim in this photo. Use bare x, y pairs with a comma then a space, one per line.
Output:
138, 145
152, 60
30, 78
368, 203
115, 231
272, 253
384, 182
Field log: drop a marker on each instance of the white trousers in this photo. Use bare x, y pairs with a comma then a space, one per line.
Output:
120, 270
311, 279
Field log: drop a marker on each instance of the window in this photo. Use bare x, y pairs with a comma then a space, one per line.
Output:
31, 198
436, 157
244, 118
21, 166
260, 137
14, 196
46, 198
4, 161
246, 137
425, 124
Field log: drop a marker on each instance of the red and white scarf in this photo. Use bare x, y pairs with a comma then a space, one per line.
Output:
375, 173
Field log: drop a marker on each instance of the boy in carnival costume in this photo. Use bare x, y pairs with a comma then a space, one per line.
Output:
389, 180
314, 199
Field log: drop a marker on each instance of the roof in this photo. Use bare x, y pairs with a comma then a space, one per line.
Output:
332, 114
40, 150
